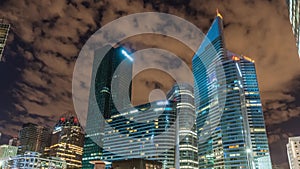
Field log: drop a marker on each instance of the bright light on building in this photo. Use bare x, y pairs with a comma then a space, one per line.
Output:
127, 55
161, 103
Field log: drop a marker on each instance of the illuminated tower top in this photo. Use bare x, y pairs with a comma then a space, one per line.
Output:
219, 14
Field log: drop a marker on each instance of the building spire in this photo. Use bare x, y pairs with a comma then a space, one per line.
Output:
218, 14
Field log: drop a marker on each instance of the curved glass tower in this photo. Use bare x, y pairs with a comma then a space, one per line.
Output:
229, 117
110, 87
186, 137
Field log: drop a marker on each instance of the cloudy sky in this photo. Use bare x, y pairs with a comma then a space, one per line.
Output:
46, 37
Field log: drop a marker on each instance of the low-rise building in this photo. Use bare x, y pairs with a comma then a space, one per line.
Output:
33, 160
7, 151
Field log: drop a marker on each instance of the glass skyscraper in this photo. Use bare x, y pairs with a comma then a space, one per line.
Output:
4, 28
229, 118
186, 151
109, 65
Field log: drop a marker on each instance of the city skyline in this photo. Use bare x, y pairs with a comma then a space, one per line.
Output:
30, 54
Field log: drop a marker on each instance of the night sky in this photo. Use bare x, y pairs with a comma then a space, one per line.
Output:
47, 35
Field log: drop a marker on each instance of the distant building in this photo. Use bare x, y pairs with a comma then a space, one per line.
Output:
136, 164
33, 160
67, 141
7, 151
33, 138
4, 28
293, 152
14, 141
294, 15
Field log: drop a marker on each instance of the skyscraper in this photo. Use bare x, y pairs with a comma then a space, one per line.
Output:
33, 138
4, 28
182, 94
294, 15
146, 132
110, 90
230, 124
67, 141
293, 151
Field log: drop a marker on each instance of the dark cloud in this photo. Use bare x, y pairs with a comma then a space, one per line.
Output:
46, 37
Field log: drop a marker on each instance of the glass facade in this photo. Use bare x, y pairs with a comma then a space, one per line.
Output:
255, 116
186, 151
4, 28
230, 123
146, 132
110, 65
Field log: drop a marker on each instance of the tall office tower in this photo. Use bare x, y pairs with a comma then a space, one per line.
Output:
67, 141
33, 138
110, 89
229, 117
146, 132
249, 84
186, 137
4, 28
294, 14
293, 151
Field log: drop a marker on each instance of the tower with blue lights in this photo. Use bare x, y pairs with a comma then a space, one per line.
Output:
110, 65
229, 118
